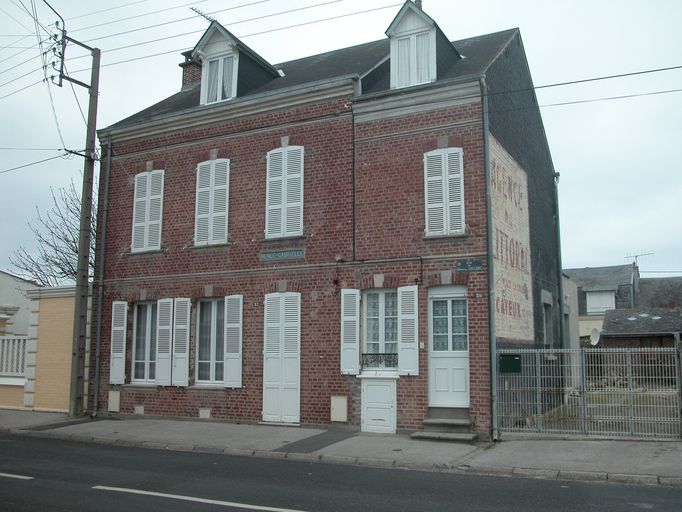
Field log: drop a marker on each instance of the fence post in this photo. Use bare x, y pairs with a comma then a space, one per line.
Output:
583, 392
538, 393
631, 410
678, 364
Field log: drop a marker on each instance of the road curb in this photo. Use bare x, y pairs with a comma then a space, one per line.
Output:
585, 476
621, 478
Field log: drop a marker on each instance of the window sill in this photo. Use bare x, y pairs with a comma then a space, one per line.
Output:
440, 237
368, 373
210, 246
141, 385
12, 381
147, 251
207, 387
283, 239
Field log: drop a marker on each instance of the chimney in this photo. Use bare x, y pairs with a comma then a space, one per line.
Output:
191, 70
418, 4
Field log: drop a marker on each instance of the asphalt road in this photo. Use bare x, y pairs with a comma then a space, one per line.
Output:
61, 475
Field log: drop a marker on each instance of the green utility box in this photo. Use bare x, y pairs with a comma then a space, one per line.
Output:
510, 363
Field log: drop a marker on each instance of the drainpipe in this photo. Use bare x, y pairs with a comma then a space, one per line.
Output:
560, 273
100, 278
489, 260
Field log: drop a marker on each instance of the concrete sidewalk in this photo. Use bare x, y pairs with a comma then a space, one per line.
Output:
623, 461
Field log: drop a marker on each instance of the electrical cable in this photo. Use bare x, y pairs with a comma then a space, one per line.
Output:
66, 71
110, 9
31, 149
33, 163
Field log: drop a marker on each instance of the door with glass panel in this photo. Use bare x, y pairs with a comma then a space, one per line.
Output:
448, 349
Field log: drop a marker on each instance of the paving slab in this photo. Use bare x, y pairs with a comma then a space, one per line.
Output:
399, 448
662, 458
179, 432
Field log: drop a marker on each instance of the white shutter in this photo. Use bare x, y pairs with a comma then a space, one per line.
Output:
219, 201
164, 335
203, 204
293, 189
140, 212
272, 367
233, 342
350, 332
181, 317
155, 210
455, 182
274, 194
119, 325
408, 330
291, 358
434, 193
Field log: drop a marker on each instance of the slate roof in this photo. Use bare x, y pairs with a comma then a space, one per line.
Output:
600, 278
479, 52
642, 321
658, 292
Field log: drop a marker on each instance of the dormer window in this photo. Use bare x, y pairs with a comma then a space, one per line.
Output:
413, 62
413, 47
218, 81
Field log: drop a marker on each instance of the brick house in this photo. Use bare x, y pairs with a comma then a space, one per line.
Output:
331, 239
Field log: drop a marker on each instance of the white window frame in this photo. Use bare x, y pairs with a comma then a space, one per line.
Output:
215, 206
220, 59
214, 359
603, 297
452, 190
279, 230
448, 297
149, 353
412, 59
142, 227
381, 292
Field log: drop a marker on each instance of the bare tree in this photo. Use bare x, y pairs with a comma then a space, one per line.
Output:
56, 233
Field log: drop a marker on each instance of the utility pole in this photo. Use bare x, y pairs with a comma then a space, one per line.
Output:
80, 320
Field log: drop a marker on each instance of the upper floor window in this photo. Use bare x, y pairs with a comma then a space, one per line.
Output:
147, 211
599, 302
444, 192
218, 79
284, 193
210, 221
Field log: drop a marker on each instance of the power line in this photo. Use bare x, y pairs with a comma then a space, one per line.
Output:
106, 10
609, 98
31, 149
22, 89
119, 20
76, 97
33, 163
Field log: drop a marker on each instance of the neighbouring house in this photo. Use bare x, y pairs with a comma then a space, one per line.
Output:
46, 380
601, 289
660, 292
15, 312
344, 237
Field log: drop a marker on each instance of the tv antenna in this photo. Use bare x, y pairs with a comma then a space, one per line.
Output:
202, 14
636, 256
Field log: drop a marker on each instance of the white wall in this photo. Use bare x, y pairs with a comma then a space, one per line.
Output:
13, 293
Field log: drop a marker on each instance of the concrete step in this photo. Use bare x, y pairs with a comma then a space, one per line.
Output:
454, 422
453, 437
459, 413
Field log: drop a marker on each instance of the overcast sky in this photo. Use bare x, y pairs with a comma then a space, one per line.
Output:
621, 179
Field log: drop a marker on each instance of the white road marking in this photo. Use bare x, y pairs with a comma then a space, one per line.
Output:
18, 477
196, 500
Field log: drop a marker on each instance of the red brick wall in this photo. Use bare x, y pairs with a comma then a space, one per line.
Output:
389, 214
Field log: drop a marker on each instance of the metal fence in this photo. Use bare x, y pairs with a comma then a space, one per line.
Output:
605, 392
12, 356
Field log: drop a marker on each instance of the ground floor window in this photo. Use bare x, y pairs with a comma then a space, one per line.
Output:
210, 341
381, 329
144, 342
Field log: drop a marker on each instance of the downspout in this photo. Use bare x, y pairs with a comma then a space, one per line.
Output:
358, 92
560, 273
489, 260
100, 278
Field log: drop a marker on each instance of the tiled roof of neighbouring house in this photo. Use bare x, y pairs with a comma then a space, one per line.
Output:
642, 321
600, 278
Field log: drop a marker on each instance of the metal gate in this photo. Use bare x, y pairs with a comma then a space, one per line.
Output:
605, 392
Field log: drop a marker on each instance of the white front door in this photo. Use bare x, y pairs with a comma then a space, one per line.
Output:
282, 358
448, 348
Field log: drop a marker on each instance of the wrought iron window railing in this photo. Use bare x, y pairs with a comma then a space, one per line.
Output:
385, 360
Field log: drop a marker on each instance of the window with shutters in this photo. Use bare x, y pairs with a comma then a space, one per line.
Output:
413, 59
213, 187
444, 192
147, 211
380, 329
284, 193
210, 342
219, 78
144, 342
